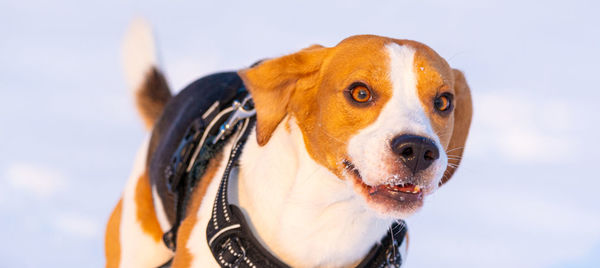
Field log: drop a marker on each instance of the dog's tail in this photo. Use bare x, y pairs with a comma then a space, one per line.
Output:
144, 78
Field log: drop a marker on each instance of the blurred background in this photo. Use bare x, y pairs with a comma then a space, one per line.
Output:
526, 195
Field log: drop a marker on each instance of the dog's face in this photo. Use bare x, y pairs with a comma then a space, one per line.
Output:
388, 116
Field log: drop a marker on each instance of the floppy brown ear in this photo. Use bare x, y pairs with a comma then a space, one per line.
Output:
463, 112
272, 83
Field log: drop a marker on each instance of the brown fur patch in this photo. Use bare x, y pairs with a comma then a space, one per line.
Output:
152, 97
112, 241
434, 77
146, 214
272, 83
462, 122
327, 116
183, 256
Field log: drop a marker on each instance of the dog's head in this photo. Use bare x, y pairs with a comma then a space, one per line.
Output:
389, 116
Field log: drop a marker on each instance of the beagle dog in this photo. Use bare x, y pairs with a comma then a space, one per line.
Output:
348, 140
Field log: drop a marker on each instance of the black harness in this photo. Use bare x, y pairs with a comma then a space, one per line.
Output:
228, 235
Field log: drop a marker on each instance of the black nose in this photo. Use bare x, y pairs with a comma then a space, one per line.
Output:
416, 152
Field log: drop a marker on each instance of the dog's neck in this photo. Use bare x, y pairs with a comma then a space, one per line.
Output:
299, 210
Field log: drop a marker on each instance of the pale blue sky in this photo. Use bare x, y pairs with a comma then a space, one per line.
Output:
525, 196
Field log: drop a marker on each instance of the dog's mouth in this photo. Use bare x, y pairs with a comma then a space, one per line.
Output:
395, 196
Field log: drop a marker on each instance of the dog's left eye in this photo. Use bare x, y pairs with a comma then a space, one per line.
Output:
443, 103
360, 92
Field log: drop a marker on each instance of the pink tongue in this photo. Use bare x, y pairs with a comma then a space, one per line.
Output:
373, 190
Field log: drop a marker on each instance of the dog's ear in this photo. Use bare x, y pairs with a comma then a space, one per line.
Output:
463, 112
272, 83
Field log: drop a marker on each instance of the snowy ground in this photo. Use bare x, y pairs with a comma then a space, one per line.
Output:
525, 196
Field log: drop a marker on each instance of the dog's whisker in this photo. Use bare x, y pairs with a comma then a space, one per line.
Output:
393, 244
443, 133
454, 149
401, 226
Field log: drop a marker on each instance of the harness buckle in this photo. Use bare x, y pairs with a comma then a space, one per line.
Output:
232, 252
241, 111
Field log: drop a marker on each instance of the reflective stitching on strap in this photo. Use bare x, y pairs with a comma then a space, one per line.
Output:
222, 193
223, 262
249, 262
212, 239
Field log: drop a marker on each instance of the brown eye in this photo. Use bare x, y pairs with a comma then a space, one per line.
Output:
360, 93
443, 102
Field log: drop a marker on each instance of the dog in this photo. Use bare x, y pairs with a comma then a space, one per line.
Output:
348, 140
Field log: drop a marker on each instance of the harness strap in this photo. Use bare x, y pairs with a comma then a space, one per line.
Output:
228, 235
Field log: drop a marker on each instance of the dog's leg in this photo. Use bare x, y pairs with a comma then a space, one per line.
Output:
134, 235
112, 243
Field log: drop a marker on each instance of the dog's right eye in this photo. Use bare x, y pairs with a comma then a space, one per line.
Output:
360, 93
443, 103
